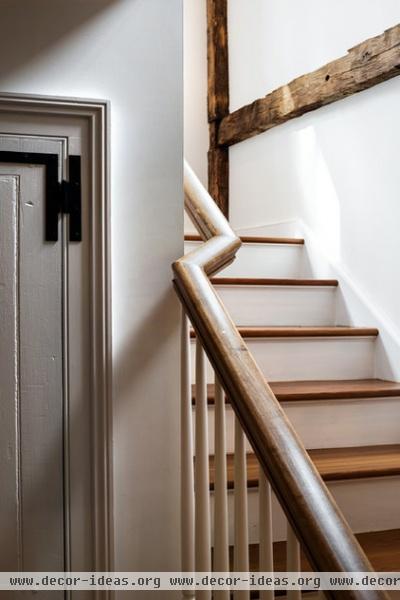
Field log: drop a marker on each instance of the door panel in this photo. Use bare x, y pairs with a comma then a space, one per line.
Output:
31, 366
62, 127
10, 518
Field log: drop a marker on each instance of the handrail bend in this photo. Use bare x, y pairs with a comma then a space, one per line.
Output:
309, 506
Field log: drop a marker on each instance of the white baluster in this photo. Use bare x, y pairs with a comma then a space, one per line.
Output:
187, 470
221, 540
241, 549
266, 532
292, 560
202, 486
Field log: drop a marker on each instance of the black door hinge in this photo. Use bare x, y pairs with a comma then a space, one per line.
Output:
61, 197
69, 202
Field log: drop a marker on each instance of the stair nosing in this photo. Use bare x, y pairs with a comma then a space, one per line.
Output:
338, 475
274, 281
374, 391
379, 546
250, 239
303, 332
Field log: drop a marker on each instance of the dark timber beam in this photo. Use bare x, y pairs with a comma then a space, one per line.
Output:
218, 100
371, 62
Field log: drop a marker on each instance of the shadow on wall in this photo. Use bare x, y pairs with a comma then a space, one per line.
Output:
29, 28
135, 356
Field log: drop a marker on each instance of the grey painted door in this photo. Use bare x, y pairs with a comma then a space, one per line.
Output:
31, 371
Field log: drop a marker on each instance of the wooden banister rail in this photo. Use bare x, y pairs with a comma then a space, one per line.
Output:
309, 507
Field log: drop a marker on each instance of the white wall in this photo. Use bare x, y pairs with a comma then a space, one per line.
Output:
129, 52
336, 168
195, 90
195, 86
273, 41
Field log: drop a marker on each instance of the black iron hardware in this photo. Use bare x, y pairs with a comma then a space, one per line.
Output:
71, 199
61, 197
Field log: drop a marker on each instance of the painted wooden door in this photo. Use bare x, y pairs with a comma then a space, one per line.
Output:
55, 351
31, 367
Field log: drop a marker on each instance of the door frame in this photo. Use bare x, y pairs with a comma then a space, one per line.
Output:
96, 113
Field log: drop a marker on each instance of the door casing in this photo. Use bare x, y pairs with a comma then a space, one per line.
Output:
34, 114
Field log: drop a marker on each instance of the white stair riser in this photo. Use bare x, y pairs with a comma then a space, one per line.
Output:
331, 423
279, 305
293, 359
378, 510
265, 260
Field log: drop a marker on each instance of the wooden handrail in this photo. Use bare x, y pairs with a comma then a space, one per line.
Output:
309, 506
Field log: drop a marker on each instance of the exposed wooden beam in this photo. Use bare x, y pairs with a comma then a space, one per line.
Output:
218, 100
217, 56
367, 64
218, 171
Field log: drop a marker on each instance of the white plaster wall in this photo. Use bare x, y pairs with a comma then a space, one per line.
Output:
336, 168
195, 90
273, 41
129, 52
195, 86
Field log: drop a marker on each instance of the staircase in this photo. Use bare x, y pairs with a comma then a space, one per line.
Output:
323, 373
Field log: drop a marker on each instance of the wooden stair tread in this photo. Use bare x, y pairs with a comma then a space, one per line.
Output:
254, 239
273, 332
381, 547
333, 464
335, 389
350, 463
298, 332
273, 281
291, 391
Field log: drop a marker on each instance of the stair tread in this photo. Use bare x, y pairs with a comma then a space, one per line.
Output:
381, 547
254, 239
290, 391
251, 332
347, 388
274, 281
296, 332
333, 464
